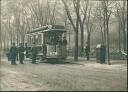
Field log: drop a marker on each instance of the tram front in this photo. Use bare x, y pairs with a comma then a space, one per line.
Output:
56, 44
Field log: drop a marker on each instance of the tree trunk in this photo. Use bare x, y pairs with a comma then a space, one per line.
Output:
123, 27
104, 29
102, 35
88, 40
76, 46
17, 38
124, 37
119, 38
82, 41
69, 38
107, 39
75, 26
11, 39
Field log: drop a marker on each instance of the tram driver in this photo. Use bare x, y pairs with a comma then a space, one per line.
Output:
44, 50
64, 41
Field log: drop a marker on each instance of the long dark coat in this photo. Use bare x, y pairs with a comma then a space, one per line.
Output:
13, 53
87, 50
34, 54
21, 53
44, 49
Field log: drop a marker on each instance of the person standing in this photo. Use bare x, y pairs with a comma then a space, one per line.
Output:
21, 53
59, 46
26, 49
87, 51
34, 54
8, 54
64, 41
44, 50
17, 57
13, 54
64, 48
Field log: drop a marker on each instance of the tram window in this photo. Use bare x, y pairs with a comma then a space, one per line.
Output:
47, 39
53, 38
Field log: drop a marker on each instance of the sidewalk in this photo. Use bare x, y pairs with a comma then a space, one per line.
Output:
115, 64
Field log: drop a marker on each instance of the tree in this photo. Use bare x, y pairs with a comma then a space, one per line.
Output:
0, 34
122, 20
107, 14
43, 13
103, 13
100, 20
75, 25
7, 24
84, 8
119, 24
89, 24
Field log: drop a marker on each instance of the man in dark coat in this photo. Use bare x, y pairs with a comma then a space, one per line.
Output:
13, 54
44, 50
64, 41
87, 51
21, 53
17, 57
34, 54
26, 48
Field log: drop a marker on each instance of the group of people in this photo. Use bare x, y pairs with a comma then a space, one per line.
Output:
15, 53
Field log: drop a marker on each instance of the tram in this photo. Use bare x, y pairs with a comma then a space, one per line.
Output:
53, 37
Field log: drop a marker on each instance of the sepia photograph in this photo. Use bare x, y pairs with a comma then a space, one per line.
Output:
63, 45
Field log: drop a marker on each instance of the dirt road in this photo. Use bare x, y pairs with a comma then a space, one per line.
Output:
82, 76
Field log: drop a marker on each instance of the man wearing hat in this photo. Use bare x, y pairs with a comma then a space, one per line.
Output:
13, 54
21, 53
34, 54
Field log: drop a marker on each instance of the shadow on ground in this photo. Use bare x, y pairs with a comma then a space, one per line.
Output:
60, 62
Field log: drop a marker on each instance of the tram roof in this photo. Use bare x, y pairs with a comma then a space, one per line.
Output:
48, 28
